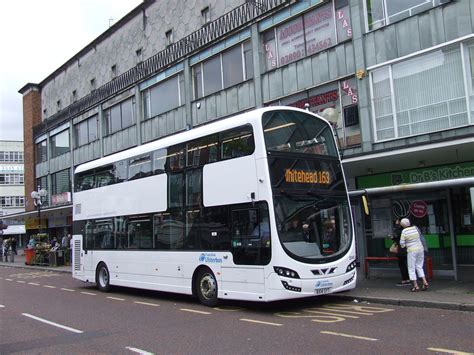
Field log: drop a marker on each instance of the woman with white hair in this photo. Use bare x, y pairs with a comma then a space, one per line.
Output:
411, 239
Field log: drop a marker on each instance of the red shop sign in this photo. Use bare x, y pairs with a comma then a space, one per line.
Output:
418, 208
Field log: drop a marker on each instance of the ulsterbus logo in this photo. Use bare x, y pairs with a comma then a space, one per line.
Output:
209, 258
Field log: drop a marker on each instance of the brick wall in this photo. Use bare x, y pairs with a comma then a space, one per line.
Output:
31, 117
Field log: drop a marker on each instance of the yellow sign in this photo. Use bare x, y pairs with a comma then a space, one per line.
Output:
307, 177
35, 223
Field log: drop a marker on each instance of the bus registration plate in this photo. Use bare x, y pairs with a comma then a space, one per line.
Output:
320, 291
322, 286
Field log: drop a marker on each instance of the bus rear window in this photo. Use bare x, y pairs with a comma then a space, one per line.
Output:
297, 132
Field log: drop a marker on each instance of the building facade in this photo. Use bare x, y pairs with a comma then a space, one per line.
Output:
12, 187
395, 79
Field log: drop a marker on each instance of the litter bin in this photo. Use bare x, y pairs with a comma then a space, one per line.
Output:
56, 258
29, 256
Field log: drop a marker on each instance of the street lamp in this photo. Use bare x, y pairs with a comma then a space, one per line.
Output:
37, 196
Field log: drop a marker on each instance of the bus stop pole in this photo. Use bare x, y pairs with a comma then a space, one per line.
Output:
453, 236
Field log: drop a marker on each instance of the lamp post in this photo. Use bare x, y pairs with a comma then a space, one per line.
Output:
37, 196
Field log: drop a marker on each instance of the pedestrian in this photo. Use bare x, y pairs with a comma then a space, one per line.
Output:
411, 239
13, 245
401, 255
65, 242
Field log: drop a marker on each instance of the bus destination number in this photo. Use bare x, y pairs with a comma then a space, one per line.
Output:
307, 177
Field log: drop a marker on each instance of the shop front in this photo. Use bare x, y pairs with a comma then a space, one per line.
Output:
439, 200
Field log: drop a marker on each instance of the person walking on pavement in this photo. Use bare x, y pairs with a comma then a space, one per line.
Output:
411, 239
401, 255
13, 245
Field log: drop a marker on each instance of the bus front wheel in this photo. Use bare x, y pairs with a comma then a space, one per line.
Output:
206, 287
102, 278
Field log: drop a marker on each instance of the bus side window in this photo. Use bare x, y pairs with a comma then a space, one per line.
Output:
139, 167
237, 143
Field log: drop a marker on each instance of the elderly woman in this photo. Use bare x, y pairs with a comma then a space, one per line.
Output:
411, 239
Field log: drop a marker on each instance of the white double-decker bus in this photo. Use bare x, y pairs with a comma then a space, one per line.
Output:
251, 207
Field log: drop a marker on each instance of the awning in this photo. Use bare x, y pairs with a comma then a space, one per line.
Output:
59, 211
423, 186
15, 229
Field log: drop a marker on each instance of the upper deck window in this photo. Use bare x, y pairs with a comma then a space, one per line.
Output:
297, 132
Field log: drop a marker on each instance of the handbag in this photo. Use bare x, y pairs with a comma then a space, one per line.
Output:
394, 248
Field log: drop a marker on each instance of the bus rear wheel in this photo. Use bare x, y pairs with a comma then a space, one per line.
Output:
102, 278
206, 287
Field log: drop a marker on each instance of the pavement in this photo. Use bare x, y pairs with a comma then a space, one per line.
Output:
443, 293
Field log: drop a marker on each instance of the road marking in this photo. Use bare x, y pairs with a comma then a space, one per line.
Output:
260, 322
9, 279
67, 289
33, 283
88, 293
21, 282
448, 351
138, 351
49, 286
228, 309
348, 336
2, 306
147, 304
115, 298
193, 311
337, 309
53, 324
333, 314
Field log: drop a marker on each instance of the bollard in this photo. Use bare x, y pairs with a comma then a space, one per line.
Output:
12, 256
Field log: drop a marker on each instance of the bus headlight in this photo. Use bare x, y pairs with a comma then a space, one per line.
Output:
283, 271
351, 266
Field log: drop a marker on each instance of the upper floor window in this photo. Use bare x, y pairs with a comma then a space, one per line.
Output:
423, 94
205, 15
11, 157
41, 151
60, 182
119, 116
86, 131
306, 35
12, 179
169, 37
60, 143
223, 70
12, 201
164, 96
384, 12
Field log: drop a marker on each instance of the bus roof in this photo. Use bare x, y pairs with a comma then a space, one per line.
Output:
184, 136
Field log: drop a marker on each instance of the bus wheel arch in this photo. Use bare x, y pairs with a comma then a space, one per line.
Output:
205, 286
102, 277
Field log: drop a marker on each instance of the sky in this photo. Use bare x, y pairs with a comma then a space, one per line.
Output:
37, 37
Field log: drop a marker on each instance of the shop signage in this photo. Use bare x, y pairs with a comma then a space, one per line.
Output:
61, 198
35, 223
55, 222
438, 173
419, 208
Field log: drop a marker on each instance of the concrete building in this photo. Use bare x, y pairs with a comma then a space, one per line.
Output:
12, 188
395, 78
